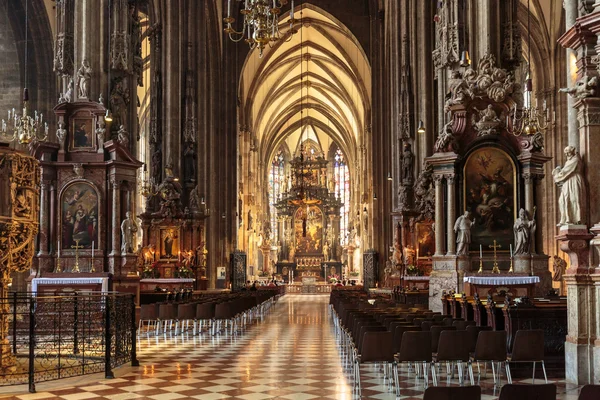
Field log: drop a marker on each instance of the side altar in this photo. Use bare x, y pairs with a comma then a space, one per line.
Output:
173, 253
488, 158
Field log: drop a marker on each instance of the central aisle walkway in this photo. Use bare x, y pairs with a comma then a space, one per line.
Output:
291, 354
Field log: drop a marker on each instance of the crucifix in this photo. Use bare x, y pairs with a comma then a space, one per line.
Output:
76, 247
495, 270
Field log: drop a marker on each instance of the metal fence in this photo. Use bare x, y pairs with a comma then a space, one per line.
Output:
71, 334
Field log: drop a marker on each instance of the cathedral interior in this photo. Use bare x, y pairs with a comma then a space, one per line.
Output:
432, 156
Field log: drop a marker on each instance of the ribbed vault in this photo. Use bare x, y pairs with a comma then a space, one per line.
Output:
318, 78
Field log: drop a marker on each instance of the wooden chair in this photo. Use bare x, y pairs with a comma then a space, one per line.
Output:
528, 392
528, 347
452, 393
590, 392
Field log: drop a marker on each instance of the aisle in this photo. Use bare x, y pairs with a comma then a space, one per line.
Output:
291, 354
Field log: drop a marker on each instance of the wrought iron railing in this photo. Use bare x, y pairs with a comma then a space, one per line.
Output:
71, 334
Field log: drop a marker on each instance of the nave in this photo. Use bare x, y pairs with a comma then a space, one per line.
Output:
292, 353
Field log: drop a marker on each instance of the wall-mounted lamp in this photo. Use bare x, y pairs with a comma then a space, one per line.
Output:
389, 176
374, 196
421, 127
108, 116
465, 60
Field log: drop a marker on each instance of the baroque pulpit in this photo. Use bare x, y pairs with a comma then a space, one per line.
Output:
20, 180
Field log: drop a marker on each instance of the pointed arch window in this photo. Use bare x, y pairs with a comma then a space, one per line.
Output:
276, 177
341, 176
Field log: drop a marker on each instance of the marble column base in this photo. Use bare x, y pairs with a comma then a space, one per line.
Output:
522, 264
579, 363
574, 240
444, 277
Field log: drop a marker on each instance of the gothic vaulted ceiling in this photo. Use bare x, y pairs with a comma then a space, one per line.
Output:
314, 86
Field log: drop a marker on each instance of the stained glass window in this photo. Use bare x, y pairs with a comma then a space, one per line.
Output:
341, 176
276, 177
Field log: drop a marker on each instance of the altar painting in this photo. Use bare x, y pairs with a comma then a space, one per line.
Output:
79, 216
489, 194
82, 134
425, 240
311, 243
169, 244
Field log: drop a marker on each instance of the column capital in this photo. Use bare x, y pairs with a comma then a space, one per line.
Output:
450, 178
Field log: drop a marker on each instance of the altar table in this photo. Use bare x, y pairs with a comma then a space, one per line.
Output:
516, 286
91, 284
166, 283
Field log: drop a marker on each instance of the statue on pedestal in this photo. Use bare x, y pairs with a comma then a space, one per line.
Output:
326, 251
462, 227
523, 229
128, 228
569, 178
84, 75
408, 160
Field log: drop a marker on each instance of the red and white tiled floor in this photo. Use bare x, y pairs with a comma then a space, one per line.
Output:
291, 354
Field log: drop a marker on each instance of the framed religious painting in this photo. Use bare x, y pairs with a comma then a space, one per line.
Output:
169, 244
83, 137
308, 230
221, 273
425, 240
79, 216
490, 180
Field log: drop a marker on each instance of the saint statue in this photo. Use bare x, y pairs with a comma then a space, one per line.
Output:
326, 252
123, 136
128, 228
408, 159
569, 178
462, 227
169, 245
84, 74
559, 266
524, 229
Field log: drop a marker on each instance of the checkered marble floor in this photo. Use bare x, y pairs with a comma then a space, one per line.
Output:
290, 354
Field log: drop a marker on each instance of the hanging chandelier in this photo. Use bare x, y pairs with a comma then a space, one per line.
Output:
529, 121
261, 22
24, 128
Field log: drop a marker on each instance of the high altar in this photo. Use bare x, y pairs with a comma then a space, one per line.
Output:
485, 190
309, 215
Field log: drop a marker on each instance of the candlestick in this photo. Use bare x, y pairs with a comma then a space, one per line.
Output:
58, 248
480, 251
93, 249
480, 266
511, 253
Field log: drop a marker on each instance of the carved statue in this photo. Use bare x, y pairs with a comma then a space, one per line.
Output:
446, 140
123, 136
292, 252
78, 170
84, 75
119, 100
326, 251
189, 155
571, 181
61, 134
425, 194
68, 97
128, 228
194, 199
584, 87
408, 160
523, 229
487, 122
250, 220
387, 274
559, 266
459, 90
462, 227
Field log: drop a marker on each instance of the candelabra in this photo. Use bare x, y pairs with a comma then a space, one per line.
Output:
24, 128
261, 22
529, 121
147, 187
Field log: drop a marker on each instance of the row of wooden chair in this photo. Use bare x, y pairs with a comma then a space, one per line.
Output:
219, 312
508, 392
424, 339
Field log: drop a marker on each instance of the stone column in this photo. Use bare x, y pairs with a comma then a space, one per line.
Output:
116, 224
588, 115
44, 219
528, 178
570, 7
579, 361
266, 252
439, 215
451, 215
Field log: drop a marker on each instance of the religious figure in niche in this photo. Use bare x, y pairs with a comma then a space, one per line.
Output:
408, 159
168, 241
559, 266
524, 230
128, 228
84, 75
489, 190
571, 181
462, 227
189, 155
119, 100
325, 251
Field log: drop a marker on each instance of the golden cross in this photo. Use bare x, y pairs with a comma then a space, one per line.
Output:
495, 269
76, 247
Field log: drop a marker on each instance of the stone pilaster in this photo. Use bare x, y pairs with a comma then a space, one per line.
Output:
116, 224
451, 215
574, 240
44, 219
439, 214
588, 115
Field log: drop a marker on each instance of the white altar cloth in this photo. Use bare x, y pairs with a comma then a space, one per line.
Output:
502, 280
68, 281
416, 278
167, 280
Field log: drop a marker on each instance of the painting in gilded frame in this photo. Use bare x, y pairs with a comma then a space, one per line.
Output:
169, 244
425, 240
490, 196
309, 242
79, 216
83, 137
